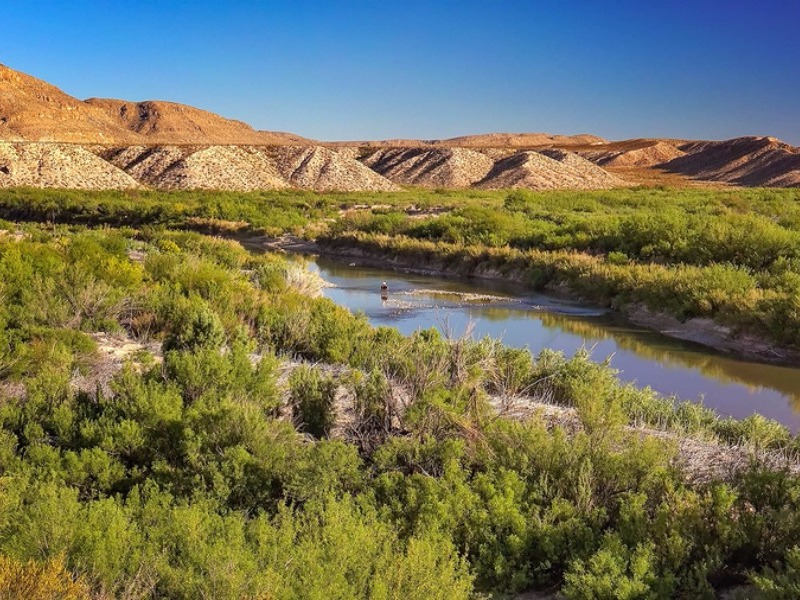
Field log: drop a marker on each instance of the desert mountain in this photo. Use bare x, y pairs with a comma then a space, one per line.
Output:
558, 169
170, 123
434, 167
523, 140
748, 161
33, 110
484, 140
51, 139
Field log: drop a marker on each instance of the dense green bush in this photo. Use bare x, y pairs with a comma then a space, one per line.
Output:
313, 401
181, 475
781, 582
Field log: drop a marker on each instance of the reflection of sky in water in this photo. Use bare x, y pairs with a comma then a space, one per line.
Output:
519, 318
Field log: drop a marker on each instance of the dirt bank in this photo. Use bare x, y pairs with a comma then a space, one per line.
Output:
709, 333
698, 330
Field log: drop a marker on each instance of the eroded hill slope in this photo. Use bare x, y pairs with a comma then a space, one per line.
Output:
235, 168
748, 161
434, 168
51, 165
557, 169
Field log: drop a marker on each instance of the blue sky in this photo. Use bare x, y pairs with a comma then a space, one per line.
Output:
378, 69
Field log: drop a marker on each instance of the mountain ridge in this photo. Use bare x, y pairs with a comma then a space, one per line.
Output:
177, 146
36, 111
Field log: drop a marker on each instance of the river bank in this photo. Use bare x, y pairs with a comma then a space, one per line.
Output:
700, 330
700, 460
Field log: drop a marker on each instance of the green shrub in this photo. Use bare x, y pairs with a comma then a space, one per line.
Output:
780, 582
373, 403
614, 572
194, 326
313, 398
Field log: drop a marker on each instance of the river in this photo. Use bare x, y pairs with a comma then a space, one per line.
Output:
521, 318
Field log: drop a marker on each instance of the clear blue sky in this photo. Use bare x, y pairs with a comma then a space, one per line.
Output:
376, 69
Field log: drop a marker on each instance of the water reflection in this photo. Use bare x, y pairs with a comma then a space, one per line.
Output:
520, 318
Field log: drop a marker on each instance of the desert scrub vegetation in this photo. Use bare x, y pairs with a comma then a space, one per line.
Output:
730, 256
199, 474
270, 212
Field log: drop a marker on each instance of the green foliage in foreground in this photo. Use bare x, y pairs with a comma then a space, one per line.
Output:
180, 479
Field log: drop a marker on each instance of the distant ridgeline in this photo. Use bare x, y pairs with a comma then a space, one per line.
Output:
50, 139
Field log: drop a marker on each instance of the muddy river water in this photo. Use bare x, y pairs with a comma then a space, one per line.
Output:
521, 318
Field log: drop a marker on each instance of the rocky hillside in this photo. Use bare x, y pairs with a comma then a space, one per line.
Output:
747, 161
244, 168
236, 168
50, 165
433, 168
164, 145
170, 123
540, 171
321, 169
33, 110
634, 153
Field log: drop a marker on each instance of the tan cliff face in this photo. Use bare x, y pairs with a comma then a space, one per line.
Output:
50, 139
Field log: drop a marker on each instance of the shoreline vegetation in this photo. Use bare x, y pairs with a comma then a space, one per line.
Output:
721, 268
381, 253
182, 418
